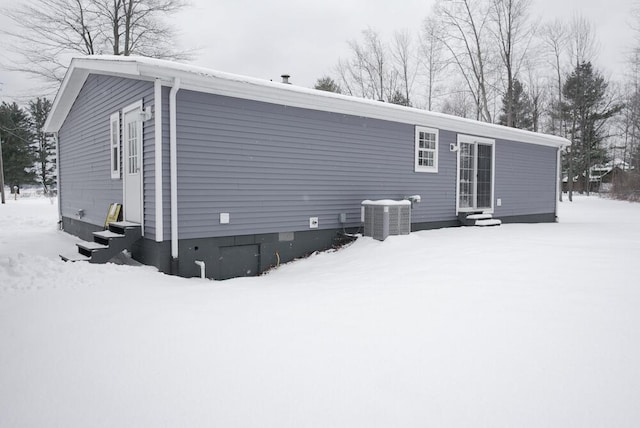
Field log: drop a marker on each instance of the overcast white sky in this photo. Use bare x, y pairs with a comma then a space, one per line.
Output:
303, 38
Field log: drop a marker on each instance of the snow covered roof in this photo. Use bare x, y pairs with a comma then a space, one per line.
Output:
386, 202
210, 81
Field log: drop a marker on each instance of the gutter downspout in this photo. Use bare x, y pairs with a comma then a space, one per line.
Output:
558, 180
157, 107
173, 158
59, 195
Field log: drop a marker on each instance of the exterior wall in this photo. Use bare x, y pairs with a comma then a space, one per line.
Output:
84, 156
235, 256
526, 179
271, 167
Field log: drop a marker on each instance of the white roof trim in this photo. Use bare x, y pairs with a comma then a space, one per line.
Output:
215, 82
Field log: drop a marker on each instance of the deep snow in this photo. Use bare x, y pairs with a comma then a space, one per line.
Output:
518, 325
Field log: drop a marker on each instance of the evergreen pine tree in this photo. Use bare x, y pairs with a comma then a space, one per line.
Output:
586, 108
45, 156
399, 98
521, 108
17, 152
326, 83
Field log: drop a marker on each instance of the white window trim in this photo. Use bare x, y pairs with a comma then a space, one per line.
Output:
422, 168
114, 122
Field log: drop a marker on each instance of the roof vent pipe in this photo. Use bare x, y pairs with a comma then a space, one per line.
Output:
285, 79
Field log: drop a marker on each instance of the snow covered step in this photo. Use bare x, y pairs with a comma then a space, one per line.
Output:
91, 246
488, 222
107, 234
480, 216
132, 230
91, 249
108, 237
124, 224
477, 219
107, 243
74, 257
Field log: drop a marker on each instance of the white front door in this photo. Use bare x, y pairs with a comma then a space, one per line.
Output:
132, 160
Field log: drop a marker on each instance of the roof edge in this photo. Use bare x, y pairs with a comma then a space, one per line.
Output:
210, 81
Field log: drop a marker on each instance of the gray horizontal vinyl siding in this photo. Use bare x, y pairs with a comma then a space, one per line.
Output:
271, 167
526, 178
84, 146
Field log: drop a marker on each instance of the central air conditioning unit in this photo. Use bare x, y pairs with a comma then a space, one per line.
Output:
386, 217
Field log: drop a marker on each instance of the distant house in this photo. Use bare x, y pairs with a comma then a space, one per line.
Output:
602, 178
241, 174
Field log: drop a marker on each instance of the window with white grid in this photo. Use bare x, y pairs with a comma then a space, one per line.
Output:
426, 159
114, 142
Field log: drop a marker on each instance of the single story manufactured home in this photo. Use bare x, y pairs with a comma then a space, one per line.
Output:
229, 176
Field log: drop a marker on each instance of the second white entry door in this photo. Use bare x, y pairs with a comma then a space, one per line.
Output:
132, 163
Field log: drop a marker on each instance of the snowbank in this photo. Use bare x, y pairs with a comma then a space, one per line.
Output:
521, 325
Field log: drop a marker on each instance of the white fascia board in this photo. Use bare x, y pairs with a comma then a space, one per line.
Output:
65, 97
74, 79
214, 82
282, 94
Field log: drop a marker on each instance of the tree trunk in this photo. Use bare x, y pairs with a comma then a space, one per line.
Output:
127, 27
116, 26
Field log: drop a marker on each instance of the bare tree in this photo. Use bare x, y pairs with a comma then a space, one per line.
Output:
554, 37
459, 103
349, 79
371, 59
404, 61
513, 35
368, 73
465, 24
537, 92
632, 105
582, 44
144, 32
51, 31
433, 62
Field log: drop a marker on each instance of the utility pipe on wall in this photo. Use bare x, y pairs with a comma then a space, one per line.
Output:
202, 268
57, 172
173, 161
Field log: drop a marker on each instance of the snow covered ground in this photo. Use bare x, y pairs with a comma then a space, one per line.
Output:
514, 326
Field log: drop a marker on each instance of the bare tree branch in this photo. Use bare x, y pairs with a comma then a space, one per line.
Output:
465, 24
52, 31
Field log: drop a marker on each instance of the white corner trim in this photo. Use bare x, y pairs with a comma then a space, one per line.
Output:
157, 117
173, 160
